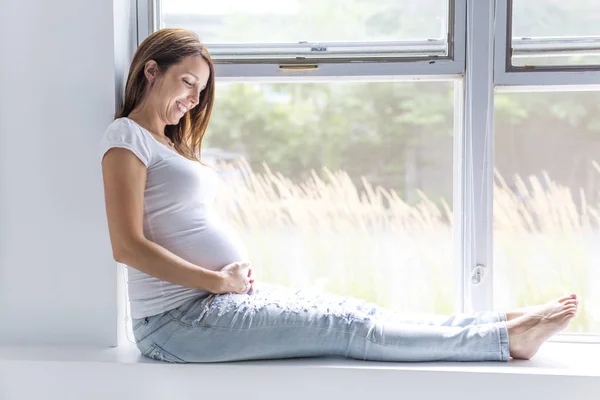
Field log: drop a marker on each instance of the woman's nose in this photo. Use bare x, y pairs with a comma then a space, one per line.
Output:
195, 95
194, 98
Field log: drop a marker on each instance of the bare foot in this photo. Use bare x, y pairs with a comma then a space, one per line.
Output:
527, 332
524, 310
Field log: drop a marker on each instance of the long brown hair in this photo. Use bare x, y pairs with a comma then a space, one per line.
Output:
168, 47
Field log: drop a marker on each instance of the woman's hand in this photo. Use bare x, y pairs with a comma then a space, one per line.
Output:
236, 278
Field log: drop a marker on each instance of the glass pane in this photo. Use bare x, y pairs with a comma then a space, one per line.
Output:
341, 187
588, 58
547, 201
556, 19
551, 18
292, 21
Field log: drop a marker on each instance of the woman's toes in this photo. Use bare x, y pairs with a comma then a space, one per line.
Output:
571, 302
567, 297
567, 314
571, 309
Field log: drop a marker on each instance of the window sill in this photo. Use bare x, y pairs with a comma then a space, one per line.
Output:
554, 358
559, 370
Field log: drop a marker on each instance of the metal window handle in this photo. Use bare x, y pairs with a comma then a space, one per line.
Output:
477, 274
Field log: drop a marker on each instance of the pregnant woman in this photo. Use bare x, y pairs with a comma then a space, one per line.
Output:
191, 290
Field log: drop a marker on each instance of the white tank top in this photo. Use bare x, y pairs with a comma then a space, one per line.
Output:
177, 215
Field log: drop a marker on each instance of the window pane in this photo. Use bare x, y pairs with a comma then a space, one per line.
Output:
292, 21
551, 18
573, 25
547, 201
587, 58
347, 186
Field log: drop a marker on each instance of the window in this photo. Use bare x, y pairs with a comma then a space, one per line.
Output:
344, 187
555, 33
309, 30
412, 166
547, 201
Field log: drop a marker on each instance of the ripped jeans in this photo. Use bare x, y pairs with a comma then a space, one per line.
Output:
275, 322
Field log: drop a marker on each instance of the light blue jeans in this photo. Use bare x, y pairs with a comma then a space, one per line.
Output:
274, 322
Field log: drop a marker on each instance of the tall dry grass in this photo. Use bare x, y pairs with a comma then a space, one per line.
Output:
326, 233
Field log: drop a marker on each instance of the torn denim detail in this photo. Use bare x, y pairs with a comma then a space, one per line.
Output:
157, 353
348, 309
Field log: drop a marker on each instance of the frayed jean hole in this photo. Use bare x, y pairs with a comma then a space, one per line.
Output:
157, 353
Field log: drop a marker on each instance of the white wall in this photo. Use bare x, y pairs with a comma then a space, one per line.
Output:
57, 96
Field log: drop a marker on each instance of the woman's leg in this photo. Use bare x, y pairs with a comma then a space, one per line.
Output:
278, 323
378, 312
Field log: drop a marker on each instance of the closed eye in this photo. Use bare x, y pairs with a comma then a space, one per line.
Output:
187, 83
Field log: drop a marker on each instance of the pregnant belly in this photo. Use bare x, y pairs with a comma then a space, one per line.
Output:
211, 246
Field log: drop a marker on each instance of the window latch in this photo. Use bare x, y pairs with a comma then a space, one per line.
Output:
477, 274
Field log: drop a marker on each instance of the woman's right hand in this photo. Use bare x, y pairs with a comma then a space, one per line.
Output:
236, 278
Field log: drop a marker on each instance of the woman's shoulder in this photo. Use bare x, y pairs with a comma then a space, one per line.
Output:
123, 132
125, 129
122, 123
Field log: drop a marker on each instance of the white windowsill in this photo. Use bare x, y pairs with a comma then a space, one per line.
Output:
559, 371
554, 358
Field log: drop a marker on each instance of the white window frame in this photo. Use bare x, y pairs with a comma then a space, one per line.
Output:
450, 67
474, 161
509, 78
479, 68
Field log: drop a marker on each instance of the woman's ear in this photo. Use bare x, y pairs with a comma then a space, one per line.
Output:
151, 71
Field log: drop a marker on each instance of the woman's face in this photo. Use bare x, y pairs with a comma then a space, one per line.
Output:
177, 90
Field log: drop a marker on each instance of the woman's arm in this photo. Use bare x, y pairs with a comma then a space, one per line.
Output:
124, 178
